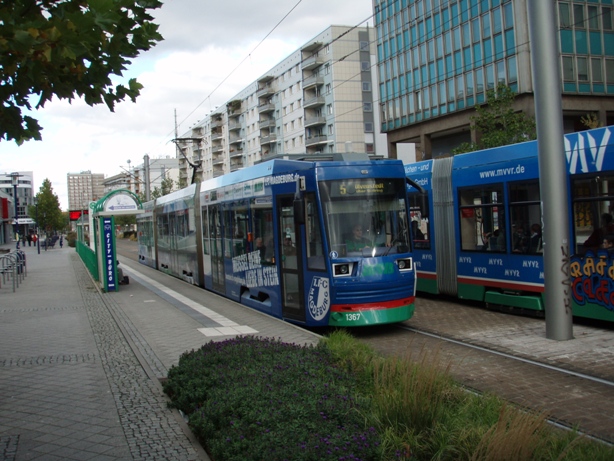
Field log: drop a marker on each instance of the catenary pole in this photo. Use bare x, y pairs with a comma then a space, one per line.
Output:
552, 166
147, 179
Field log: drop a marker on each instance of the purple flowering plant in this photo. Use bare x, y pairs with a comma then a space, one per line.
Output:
254, 398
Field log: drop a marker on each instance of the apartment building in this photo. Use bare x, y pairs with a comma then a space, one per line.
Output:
438, 58
317, 102
83, 188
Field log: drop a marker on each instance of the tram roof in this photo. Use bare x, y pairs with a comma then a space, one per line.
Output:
282, 166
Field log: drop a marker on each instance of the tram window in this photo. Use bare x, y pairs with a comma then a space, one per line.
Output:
239, 229
482, 219
262, 228
378, 214
205, 221
593, 208
215, 230
228, 233
525, 217
420, 232
315, 247
162, 224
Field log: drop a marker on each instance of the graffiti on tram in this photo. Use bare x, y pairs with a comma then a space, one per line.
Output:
592, 279
248, 270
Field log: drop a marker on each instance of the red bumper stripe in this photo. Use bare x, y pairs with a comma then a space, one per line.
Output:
373, 306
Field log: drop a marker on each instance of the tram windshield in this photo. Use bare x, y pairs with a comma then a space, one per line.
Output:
365, 217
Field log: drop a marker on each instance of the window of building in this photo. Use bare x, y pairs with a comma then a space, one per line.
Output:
609, 70
366, 86
329, 109
606, 17
582, 69
508, 11
328, 88
368, 127
578, 16
365, 66
564, 15
596, 70
330, 129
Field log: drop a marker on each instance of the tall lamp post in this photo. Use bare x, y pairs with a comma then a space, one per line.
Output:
15, 181
38, 237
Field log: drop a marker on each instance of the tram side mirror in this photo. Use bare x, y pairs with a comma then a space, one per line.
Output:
299, 211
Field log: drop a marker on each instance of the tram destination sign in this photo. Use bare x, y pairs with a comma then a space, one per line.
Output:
363, 187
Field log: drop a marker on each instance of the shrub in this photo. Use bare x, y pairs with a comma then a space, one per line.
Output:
71, 238
261, 399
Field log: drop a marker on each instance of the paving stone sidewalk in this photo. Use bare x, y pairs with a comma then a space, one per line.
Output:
71, 385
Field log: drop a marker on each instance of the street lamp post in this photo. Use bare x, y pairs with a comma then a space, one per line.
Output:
15, 181
38, 237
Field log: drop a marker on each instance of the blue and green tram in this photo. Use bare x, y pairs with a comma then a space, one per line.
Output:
279, 237
482, 237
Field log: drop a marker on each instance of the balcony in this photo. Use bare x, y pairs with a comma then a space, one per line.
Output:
234, 106
315, 140
217, 149
268, 139
218, 160
235, 140
314, 121
234, 125
264, 108
266, 123
236, 153
265, 91
215, 135
217, 172
314, 102
216, 120
314, 80
312, 62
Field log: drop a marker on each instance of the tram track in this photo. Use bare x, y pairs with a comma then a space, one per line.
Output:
512, 356
572, 399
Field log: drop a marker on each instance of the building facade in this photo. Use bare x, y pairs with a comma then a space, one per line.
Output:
316, 102
438, 58
83, 188
25, 199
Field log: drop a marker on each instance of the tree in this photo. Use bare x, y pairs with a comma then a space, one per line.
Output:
166, 187
49, 213
67, 49
498, 123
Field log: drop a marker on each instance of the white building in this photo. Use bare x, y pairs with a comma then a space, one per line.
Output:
317, 102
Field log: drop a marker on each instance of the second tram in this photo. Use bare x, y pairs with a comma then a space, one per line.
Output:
482, 239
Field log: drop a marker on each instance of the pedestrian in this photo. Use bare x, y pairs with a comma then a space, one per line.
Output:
61, 241
29, 239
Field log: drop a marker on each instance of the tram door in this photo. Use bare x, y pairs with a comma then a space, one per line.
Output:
216, 248
290, 245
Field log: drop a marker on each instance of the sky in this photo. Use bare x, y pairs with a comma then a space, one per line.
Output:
211, 51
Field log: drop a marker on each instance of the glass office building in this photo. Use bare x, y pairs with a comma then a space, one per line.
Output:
438, 58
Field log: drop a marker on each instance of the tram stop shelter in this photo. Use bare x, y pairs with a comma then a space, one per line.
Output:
115, 203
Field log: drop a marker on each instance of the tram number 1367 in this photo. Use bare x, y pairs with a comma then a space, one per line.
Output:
352, 317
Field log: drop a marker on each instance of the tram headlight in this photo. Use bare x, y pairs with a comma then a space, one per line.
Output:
342, 269
404, 264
